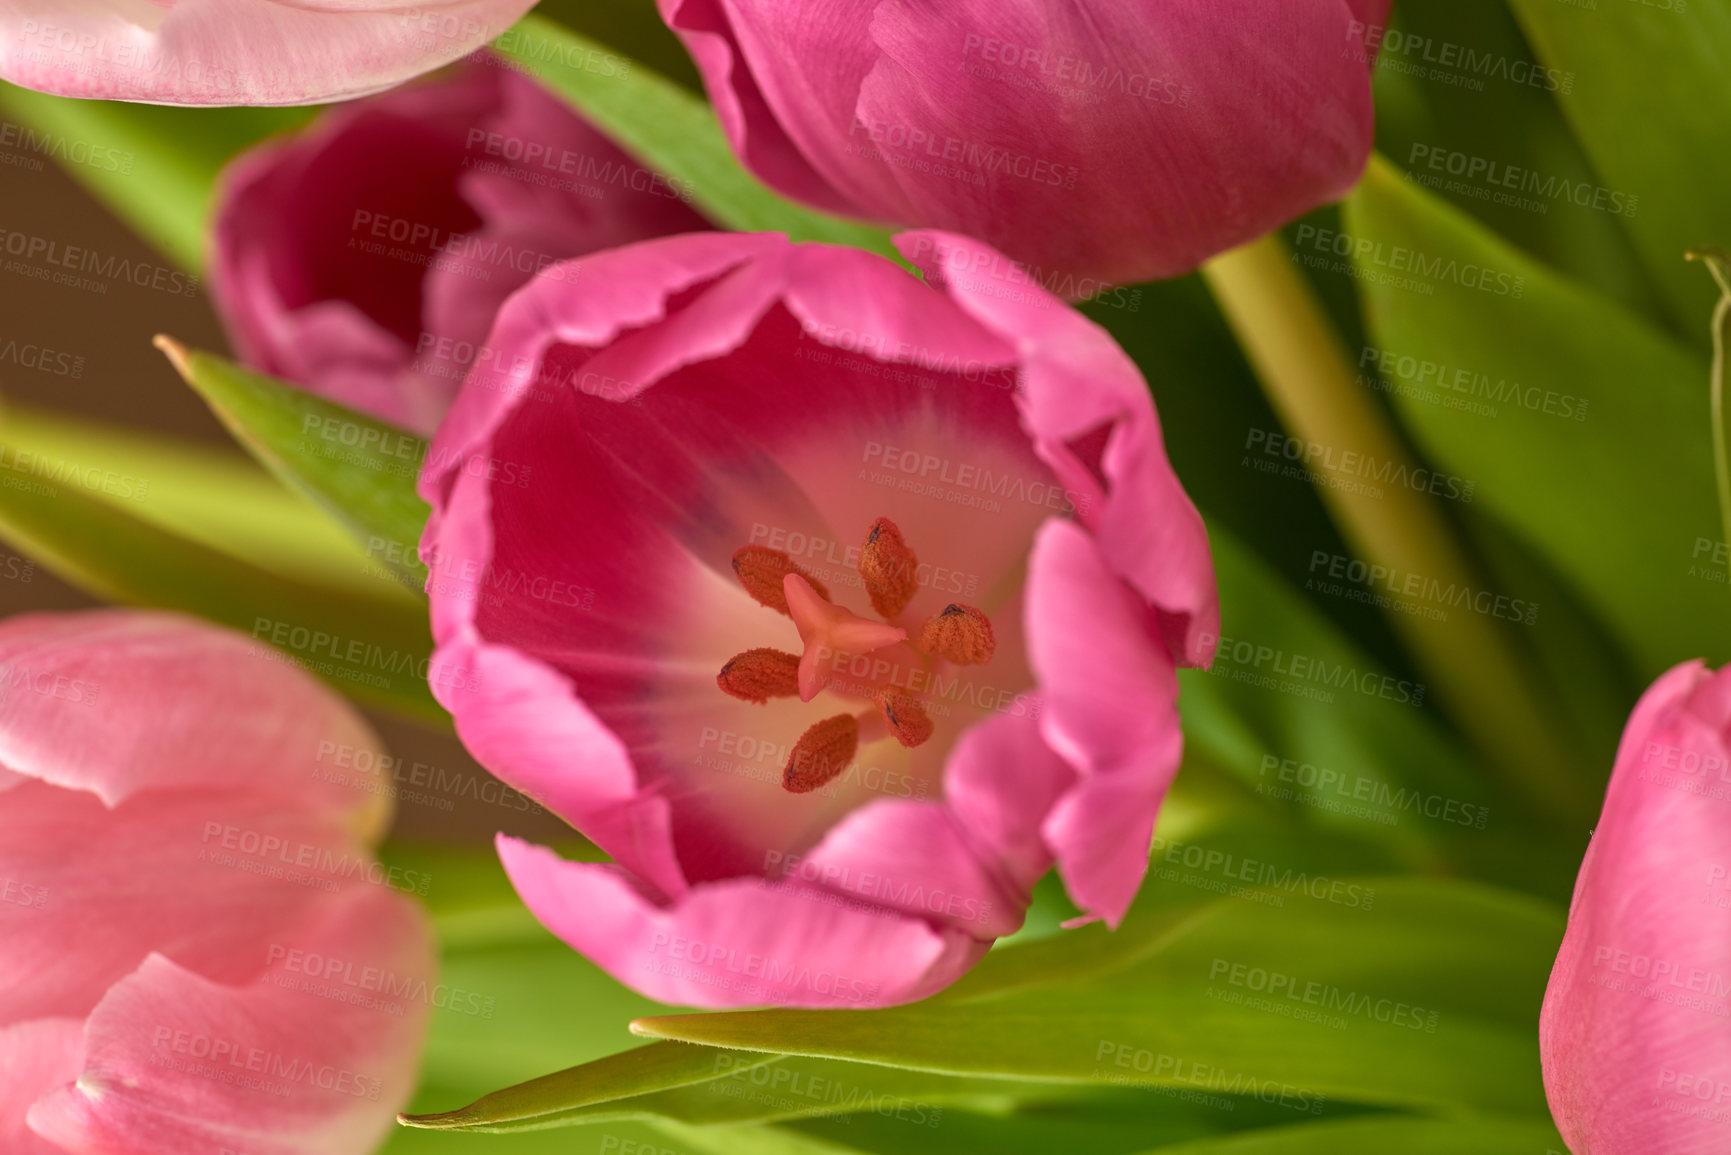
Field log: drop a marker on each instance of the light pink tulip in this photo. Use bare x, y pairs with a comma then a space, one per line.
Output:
929, 526
364, 259
194, 937
1100, 141
218, 52
1636, 1028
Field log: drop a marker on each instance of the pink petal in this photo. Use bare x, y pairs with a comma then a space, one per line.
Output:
567, 760
286, 1064
1373, 13
205, 878
737, 943
822, 102
1001, 782
1099, 141
36, 1056
916, 858
366, 257
1111, 699
639, 280
223, 52
118, 702
1633, 1034
1076, 382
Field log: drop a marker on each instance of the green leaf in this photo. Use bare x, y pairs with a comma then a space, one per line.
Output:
213, 496
1470, 141
551, 1100
1618, 500
635, 28
752, 1141
373, 648
358, 469
671, 130
1131, 1120
1322, 732
542, 1006
1643, 85
1378, 1136
634, 1138
154, 165
716, 1087
1372, 1135
1425, 1003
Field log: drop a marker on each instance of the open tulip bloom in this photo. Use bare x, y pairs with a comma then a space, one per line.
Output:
835, 605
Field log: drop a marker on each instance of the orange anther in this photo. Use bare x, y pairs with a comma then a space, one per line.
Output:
761, 571
759, 675
907, 719
821, 753
961, 634
889, 568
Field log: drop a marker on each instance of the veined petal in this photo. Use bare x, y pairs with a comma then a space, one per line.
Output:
365, 258
226, 52
1088, 409
1632, 1032
722, 35
177, 1062
36, 1056
1001, 783
119, 702
1111, 696
738, 943
205, 878
914, 858
1098, 142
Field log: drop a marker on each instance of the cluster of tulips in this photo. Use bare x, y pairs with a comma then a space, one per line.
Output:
690, 403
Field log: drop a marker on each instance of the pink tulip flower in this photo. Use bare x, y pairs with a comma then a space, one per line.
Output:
1100, 141
198, 953
834, 604
220, 52
1636, 1028
365, 258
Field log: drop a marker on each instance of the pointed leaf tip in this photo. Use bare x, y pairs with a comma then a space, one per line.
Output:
178, 354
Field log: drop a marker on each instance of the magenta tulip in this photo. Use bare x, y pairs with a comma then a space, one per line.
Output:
214, 52
365, 258
175, 850
834, 604
1636, 1028
1099, 141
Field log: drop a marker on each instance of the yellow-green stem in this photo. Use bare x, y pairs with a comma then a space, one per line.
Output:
1716, 264
1486, 684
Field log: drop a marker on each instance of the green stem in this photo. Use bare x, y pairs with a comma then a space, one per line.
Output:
1716, 264
1487, 685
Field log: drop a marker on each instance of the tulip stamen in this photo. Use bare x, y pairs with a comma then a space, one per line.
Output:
759, 675
821, 754
763, 571
835, 638
889, 568
960, 634
906, 718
